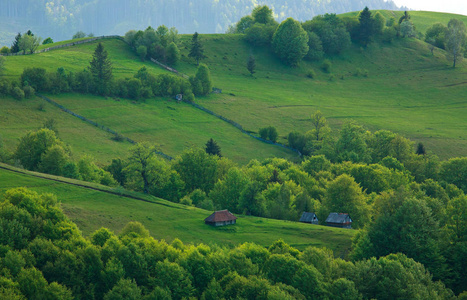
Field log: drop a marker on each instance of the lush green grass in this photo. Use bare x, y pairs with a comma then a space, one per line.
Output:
91, 209
19, 117
170, 125
408, 90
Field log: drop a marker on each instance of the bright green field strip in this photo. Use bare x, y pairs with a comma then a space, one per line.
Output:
62, 43
75, 58
91, 210
421, 19
170, 125
19, 117
408, 91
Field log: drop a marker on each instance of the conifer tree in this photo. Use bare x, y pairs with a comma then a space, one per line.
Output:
213, 148
251, 65
15, 47
196, 51
366, 26
420, 149
101, 69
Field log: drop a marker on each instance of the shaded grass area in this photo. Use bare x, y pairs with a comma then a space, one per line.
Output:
19, 117
91, 209
170, 125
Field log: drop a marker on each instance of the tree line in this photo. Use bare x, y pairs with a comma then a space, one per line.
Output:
43, 255
98, 79
329, 34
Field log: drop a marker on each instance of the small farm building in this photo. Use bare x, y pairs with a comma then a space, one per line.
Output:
341, 220
221, 218
308, 217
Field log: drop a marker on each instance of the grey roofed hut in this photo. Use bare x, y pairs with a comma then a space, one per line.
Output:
221, 218
308, 217
341, 220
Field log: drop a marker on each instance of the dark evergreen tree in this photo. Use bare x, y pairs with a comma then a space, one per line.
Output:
15, 47
101, 70
213, 148
405, 17
251, 65
196, 51
420, 149
366, 26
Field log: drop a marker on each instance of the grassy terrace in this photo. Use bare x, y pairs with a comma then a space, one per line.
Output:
91, 209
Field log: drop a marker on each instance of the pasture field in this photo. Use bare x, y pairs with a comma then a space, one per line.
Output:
19, 117
172, 126
407, 90
91, 210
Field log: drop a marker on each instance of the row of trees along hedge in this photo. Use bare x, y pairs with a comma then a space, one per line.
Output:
44, 256
98, 79
329, 34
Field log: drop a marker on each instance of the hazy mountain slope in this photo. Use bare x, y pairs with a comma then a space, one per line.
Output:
61, 19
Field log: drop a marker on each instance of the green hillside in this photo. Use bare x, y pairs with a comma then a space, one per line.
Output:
91, 209
407, 91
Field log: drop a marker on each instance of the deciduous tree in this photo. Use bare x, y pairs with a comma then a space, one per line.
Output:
290, 42
455, 40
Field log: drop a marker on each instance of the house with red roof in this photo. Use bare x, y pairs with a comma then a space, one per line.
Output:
221, 218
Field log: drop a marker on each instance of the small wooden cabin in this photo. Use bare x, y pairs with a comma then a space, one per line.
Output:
221, 218
309, 217
341, 220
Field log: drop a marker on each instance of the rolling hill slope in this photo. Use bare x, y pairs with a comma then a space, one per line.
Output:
91, 209
407, 91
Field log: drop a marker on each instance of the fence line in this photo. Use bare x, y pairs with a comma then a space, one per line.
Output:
161, 65
67, 45
243, 130
105, 128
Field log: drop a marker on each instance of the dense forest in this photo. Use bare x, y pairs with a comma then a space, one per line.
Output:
44, 256
61, 19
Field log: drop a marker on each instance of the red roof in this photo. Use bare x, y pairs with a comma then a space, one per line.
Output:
220, 216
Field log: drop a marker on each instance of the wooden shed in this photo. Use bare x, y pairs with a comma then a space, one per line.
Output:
341, 220
309, 217
221, 218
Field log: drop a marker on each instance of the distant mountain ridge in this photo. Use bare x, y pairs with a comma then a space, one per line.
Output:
61, 19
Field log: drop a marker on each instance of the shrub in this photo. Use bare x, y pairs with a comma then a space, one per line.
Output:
5, 50
311, 74
17, 93
47, 41
332, 77
5, 87
28, 91
268, 133
326, 66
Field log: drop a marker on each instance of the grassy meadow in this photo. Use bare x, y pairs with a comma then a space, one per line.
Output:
19, 117
91, 209
408, 90
172, 126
